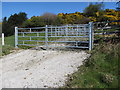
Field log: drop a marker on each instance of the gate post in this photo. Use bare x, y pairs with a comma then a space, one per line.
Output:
16, 37
90, 35
46, 36
3, 40
66, 30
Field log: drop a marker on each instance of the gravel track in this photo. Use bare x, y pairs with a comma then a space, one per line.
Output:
39, 68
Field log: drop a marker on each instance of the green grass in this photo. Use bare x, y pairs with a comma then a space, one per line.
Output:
34, 38
9, 45
10, 41
6, 49
100, 70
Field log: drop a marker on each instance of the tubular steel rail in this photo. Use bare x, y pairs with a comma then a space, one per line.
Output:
71, 36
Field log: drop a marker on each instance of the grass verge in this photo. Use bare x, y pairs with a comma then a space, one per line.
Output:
9, 45
100, 70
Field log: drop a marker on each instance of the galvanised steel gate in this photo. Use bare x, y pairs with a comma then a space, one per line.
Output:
68, 36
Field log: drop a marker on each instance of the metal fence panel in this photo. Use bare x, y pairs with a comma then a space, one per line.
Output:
72, 36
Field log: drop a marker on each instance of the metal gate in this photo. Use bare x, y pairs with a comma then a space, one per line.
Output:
67, 36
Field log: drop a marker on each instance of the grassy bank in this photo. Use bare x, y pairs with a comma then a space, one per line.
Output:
9, 45
100, 70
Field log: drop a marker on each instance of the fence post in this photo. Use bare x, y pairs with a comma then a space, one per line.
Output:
77, 30
46, 36
66, 30
16, 37
3, 43
90, 35
85, 30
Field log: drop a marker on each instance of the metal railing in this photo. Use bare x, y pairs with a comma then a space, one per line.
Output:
67, 36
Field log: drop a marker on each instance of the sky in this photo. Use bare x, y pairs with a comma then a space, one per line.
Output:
38, 8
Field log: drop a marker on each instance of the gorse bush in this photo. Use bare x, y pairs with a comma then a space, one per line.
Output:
94, 13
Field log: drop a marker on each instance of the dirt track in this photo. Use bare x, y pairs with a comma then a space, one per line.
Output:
39, 69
